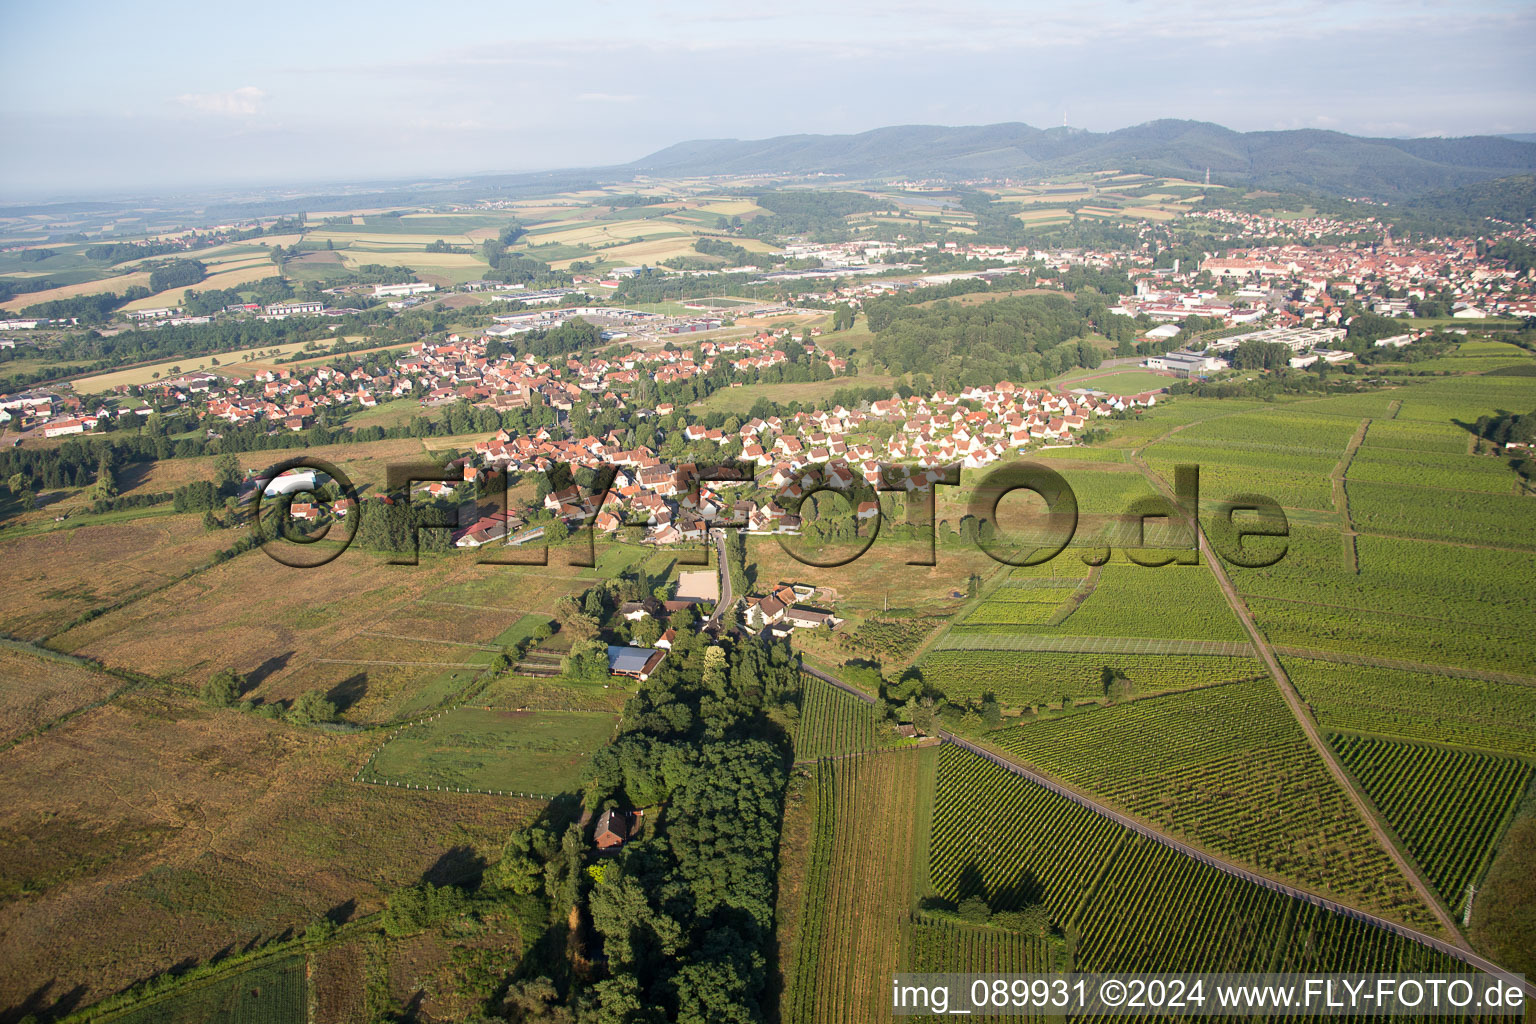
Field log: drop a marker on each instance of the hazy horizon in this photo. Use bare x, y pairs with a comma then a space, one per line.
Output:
179, 97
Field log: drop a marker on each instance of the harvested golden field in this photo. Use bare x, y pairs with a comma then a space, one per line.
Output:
597, 232
230, 364
36, 690
251, 615
1042, 216
153, 831
651, 250
51, 578
117, 284
733, 207
231, 276
417, 259
364, 464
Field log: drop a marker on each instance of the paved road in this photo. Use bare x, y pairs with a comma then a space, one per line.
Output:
726, 597
1086, 801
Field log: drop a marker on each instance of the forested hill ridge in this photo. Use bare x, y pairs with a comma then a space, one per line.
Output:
1302, 159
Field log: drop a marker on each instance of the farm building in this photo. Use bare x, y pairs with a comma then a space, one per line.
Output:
635, 662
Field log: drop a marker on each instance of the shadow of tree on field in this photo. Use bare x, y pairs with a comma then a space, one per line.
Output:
38, 1006
460, 865
348, 692
270, 667
342, 912
411, 1011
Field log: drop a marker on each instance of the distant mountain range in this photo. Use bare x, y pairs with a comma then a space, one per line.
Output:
1446, 176
1306, 159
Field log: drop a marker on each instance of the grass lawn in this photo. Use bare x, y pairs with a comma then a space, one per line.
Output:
512, 751
1124, 382
741, 400
388, 414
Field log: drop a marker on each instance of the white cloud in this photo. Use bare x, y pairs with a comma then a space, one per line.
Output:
242, 102
606, 97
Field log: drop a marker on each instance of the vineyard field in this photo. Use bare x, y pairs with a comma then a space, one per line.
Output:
275, 993
1495, 520
1167, 601
1295, 481
1089, 644
1010, 842
1391, 635
939, 945
832, 722
1011, 613
1228, 768
1460, 472
1418, 706
870, 834
1449, 806
1157, 910
1019, 679
1415, 436
1135, 904
1411, 600
1398, 575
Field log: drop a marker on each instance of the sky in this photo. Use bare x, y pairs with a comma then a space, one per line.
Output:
159, 96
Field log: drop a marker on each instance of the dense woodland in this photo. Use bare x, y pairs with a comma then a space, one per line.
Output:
1031, 337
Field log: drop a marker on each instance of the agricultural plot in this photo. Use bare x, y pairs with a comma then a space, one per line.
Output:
888, 636
1169, 601
1143, 916
1011, 842
118, 284
860, 882
1229, 768
1175, 604
1285, 454
1025, 679
1466, 517
1463, 712
526, 753
942, 946
1404, 468
1135, 904
249, 616
275, 993
1449, 806
53, 577
257, 831
832, 722
1297, 627
1011, 613
230, 275
1445, 401
1294, 480
1431, 603
1090, 644
38, 690
1415, 436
